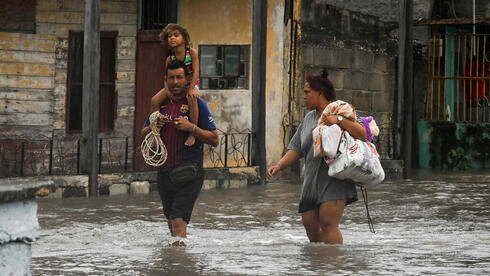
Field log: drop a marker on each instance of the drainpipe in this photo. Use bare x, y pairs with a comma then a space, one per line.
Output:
90, 102
259, 48
474, 29
405, 86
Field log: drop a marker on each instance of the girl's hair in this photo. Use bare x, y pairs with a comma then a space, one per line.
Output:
323, 84
174, 27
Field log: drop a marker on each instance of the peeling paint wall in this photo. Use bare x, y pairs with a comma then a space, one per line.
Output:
229, 22
275, 85
222, 22
33, 68
27, 80
59, 17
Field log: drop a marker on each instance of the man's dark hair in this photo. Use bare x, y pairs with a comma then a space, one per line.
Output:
176, 64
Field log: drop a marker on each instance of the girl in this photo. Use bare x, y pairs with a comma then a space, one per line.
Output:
177, 40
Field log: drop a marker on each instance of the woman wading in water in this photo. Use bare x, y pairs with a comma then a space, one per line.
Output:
323, 198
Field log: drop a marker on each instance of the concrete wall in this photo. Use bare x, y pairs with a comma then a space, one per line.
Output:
388, 11
232, 108
360, 57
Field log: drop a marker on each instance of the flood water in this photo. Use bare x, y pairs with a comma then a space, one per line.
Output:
431, 225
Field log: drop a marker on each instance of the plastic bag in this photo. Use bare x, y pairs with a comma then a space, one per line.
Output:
357, 161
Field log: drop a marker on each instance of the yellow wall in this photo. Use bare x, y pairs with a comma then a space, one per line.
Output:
217, 21
230, 22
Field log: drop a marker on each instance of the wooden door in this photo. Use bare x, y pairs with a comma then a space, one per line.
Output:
150, 66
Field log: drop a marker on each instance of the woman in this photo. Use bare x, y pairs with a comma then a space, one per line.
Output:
323, 198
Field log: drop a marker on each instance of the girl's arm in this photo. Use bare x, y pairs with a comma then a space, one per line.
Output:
158, 99
193, 108
289, 158
161, 96
193, 93
195, 67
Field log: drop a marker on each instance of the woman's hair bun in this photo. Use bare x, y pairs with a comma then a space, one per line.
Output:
325, 73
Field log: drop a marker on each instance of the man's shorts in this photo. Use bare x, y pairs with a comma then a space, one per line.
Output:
178, 200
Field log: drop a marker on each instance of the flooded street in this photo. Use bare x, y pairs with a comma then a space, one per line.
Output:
422, 227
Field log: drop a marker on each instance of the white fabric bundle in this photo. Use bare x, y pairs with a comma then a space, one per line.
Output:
357, 161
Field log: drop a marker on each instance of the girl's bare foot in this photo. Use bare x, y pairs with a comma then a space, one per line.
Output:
190, 140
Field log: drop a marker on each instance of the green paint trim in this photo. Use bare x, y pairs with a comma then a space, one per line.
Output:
454, 145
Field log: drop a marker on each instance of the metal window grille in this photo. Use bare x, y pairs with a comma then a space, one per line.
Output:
224, 66
458, 71
156, 14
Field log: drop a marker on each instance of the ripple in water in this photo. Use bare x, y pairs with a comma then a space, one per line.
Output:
422, 227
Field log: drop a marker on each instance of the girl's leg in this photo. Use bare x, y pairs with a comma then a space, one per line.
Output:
158, 99
194, 116
330, 214
312, 225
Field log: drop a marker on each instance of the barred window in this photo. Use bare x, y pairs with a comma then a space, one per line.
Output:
224, 66
107, 92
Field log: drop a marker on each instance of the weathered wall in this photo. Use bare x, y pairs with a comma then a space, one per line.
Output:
388, 11
57, 18
359, 54
232, 108
27, 80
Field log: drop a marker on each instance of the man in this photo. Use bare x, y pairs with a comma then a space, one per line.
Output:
178, 196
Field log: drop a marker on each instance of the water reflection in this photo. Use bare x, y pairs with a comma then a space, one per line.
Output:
422, 227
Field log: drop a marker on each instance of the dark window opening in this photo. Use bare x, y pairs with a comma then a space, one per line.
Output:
156, 14
107, 92
224, 66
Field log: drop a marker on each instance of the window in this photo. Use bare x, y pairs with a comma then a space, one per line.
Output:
107, 93
18, 16
224, 66
155, 14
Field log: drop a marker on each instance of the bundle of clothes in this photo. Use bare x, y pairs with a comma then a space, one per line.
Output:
348, 158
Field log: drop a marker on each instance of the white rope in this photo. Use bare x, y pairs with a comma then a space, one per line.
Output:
153, 149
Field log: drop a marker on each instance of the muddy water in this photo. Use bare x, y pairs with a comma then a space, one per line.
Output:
433, 225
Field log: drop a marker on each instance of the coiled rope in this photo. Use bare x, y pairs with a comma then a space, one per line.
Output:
153, 149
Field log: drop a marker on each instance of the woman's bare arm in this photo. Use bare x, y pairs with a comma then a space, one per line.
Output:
355, 129
289, 158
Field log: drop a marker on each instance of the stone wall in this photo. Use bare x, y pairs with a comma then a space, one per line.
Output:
388, 11
137, 182
360, 56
